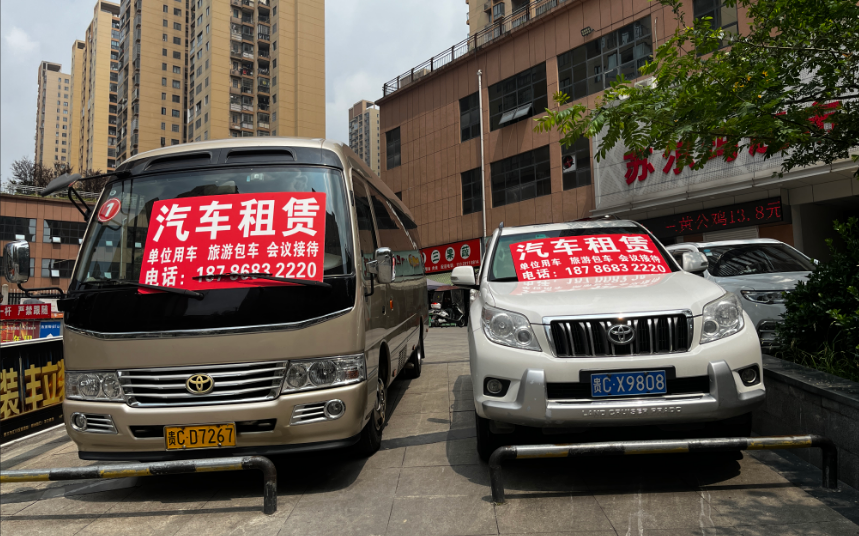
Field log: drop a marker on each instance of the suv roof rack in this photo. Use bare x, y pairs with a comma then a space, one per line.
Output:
598, 218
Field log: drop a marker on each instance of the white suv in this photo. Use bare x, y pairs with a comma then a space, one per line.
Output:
759, 272
593, 324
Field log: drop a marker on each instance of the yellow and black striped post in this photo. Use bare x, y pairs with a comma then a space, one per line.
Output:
667, 446
124, 470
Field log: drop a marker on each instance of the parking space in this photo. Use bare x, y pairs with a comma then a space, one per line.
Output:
426, 480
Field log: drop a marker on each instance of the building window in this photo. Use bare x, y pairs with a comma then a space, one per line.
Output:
17, 228
592, 67
164, 65
163, 126
175, 128
177, 12
177, 55
174, 142
164, 23
177, 26
164, 37
177, 84
63, 232
164, 8
163, 111
472, 192
163, 81
469, 116
177, 40
521, 177
497, 11
176, 98
177, 69
163, 141
518, 97
576, 164
724, 17
392, 146
61, 268
176, 113
164, 96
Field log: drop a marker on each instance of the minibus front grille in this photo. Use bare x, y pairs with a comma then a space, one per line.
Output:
233, 384
653, 334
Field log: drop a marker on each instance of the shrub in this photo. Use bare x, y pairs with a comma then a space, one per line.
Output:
822, 314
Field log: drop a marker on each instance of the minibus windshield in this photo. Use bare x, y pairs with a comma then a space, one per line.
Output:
113, 249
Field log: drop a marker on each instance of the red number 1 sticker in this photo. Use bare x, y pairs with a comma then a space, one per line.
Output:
109, 210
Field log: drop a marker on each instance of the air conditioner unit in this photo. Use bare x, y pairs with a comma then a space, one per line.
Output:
55, 239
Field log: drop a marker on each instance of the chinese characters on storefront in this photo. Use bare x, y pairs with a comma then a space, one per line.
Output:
193, 241
586, 256
35, 311
718, 219
31, 378
449, 256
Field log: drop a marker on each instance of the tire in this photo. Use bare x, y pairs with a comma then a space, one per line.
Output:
371, 435
416, 360
487, 442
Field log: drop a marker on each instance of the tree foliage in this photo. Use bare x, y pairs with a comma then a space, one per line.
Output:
790, 84
27, 173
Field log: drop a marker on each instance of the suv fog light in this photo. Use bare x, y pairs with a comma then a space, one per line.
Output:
494, 386
750, 375
79, 420
334, 409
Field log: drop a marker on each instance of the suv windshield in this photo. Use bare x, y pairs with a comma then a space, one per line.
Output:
503, 268
114, 249
748, 259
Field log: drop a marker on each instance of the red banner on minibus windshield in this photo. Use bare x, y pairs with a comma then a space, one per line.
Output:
586, 256
277, 233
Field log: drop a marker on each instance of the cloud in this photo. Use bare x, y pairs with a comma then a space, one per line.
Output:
19, 42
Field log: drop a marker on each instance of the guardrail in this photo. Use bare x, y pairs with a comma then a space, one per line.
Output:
33, 191
157, 469
668, 446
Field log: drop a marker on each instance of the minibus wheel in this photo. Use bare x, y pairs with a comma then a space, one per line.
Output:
371, 435
416, 360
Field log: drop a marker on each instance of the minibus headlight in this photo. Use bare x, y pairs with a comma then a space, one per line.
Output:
324, 373
97, 386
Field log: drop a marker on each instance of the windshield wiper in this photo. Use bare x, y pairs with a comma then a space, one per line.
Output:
268, 277
180, 291
505, 279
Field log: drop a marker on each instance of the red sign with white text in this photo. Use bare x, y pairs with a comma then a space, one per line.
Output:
448, 256
587, 256
25, 312
109, 210
282, 234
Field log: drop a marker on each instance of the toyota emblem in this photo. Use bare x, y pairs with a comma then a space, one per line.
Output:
621, 334
200, 384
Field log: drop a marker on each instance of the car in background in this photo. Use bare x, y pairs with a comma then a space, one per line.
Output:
760, 272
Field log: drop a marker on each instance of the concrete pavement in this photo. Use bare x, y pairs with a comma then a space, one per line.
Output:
428, 480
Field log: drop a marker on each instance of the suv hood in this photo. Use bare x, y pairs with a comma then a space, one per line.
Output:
775, 281
609, 295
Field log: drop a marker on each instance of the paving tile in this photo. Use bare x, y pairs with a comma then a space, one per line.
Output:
410, 403
350, 484
454, 452
428, 384
8, 509
550, 514
745, 472
386, 458
828, 528
658, 510
466, 480
700, 531
416, 424
539, 477
770, 506
441, 516
229, 515
462, 419
354, 516
43, 527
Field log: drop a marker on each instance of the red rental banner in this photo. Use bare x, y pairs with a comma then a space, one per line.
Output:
449, 256
34, 311
586, 256
278, 233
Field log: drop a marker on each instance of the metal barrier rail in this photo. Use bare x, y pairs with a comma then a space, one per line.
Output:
124, 470
669, 446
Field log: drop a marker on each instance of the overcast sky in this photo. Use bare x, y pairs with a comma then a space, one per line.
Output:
367, 42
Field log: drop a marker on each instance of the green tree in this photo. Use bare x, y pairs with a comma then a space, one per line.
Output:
791, 82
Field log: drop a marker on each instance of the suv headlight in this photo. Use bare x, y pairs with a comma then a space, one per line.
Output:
96, 386
323, 373
769, 297
721, 318
509, 329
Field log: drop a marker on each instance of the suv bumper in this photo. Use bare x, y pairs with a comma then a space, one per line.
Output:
532, 408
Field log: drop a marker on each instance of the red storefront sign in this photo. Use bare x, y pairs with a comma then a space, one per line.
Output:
718, 219
25, 312
449, 256
282, 234
19, 330
586, 256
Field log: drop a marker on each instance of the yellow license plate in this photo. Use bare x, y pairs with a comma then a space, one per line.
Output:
200, 436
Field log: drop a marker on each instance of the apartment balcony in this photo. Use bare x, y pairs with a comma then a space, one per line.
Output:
263, 2
262, 124
248, 90
248, 4
236, 35
235, 90
265, 19
235, 54
247, 126
235, 107
247, 107
263, 89
248, 37
264, 37
135, 124
263, 107
247, 55
264, 54
236, 126
235, 72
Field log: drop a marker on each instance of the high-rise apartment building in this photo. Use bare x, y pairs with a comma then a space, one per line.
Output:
152, 76
78, 54
364, 133
483, 13
256, 68
98, 83
53, 113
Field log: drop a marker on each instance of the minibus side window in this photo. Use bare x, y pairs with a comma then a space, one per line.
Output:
366, 235
392, 235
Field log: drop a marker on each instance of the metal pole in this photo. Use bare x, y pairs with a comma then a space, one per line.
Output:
482, 156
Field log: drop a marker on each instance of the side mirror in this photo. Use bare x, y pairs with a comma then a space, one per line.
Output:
383, 266
16, 262
463, 276
695, 262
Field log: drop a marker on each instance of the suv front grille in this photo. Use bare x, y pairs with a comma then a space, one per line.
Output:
233, 384
654, 334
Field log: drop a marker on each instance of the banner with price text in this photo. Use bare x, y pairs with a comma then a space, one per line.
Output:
282, 234
587, 256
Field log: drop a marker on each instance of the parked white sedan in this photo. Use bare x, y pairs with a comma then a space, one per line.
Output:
759, 272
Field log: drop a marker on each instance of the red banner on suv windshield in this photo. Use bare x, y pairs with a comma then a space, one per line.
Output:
586, 256
282, 234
